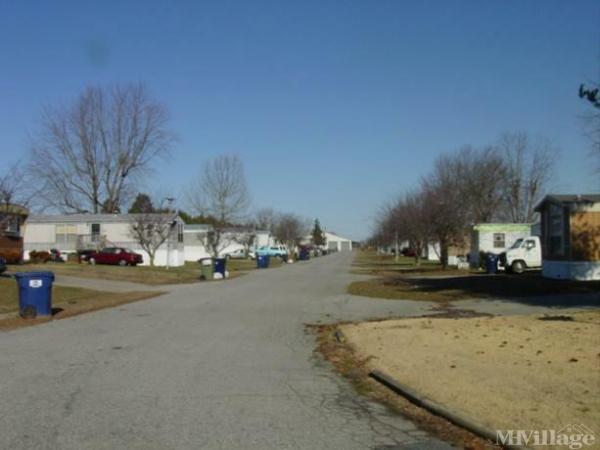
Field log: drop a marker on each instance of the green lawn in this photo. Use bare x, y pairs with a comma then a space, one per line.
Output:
188, 273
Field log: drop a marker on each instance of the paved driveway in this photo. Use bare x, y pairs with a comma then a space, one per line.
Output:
214, 365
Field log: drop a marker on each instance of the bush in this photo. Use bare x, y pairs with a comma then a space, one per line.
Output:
39, 257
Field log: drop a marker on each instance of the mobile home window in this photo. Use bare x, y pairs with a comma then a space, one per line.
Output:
95, 232
499, 240
180, 233
555, 230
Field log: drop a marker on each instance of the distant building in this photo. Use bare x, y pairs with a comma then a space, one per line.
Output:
337, 243
570, 235
195, 239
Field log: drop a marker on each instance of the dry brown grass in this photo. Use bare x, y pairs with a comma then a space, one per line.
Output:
516, 372
188, 273
355, 368
450, 288
66, 302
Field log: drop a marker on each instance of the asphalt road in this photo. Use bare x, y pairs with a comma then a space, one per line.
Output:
222, 365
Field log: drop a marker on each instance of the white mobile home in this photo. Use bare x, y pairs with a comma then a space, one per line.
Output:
570, 238
195, 240
495, 238
70, 233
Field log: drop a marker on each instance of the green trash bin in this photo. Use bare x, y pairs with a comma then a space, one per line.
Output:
207, 268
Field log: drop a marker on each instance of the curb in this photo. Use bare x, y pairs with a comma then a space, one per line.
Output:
453, 417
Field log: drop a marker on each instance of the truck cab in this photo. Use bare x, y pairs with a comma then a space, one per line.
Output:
272, 250
525, 253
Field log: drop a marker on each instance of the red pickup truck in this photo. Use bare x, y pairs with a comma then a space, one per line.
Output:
115, 255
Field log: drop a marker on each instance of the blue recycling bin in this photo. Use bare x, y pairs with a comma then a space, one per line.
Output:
35, 293
263, 261
220, 265
304, 254
491, 263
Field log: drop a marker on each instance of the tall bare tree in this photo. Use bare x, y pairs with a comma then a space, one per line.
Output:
220, 191
528, 168
89, 154
447, 212
480, 175
412, 218
289, 230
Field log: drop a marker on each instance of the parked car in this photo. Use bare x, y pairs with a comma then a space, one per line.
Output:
272, 250
525, 253
115, 255
239, 253
408, 252
2, 265
83, 255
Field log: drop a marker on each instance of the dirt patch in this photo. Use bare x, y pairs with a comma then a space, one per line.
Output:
334, 347
514, 372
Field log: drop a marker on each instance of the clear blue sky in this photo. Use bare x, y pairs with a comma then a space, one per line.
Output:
333, 105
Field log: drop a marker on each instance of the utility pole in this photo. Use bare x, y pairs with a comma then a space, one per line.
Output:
397, 249
170, 201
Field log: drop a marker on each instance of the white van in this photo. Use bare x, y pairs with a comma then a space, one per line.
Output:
525, 253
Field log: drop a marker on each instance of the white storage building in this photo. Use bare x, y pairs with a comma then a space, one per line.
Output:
337, 243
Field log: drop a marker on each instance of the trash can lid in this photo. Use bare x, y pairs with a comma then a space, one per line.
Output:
40, 274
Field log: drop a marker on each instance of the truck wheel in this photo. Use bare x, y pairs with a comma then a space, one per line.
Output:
92, 261
122, 263
517, 267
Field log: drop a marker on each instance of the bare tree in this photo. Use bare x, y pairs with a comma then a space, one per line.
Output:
412, 219
89, 154
528, 168
264, 219
245, 238
480, 175
289, 230
15, 195
151, 230
220, 191
447, 212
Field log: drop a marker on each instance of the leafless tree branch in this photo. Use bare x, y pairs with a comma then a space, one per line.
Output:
88, 154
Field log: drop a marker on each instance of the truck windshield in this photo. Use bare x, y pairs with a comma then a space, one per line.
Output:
517, 243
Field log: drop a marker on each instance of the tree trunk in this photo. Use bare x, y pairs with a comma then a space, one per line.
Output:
444, 255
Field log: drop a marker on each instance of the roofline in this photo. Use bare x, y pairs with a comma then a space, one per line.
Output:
88, 218
553, 199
